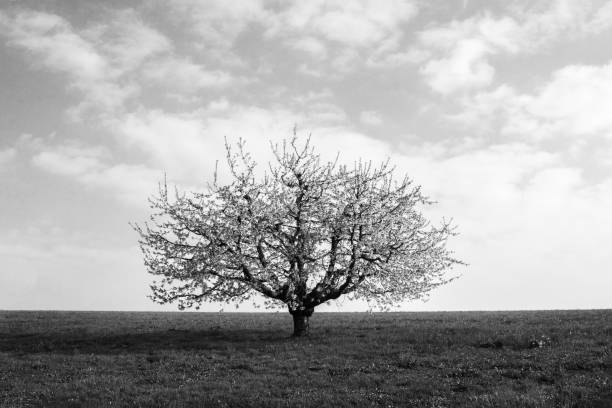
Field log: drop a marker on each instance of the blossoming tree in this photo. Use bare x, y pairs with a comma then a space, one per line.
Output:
304, 233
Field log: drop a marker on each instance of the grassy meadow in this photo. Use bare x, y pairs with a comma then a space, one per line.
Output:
466, 359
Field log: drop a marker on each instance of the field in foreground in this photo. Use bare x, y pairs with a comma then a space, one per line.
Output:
471, 359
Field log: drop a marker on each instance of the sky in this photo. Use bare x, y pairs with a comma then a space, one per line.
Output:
500, 110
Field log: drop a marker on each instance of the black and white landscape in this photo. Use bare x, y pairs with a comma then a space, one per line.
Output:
370, 203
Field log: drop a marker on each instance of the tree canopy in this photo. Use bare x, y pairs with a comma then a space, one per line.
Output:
304, 232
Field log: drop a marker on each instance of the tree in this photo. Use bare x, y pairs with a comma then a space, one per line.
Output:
304, 233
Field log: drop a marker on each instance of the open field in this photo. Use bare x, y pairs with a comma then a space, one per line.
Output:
471, 359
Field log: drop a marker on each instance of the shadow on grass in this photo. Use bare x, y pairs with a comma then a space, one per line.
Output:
171, 339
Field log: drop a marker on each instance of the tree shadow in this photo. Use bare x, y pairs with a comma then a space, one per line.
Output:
154, 341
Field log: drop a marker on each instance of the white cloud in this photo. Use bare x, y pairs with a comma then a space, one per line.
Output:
527, 223
51, 266
53, 43
102, 98
412, 55
602, 19
308, 70
7, 155
92, 167
561, 20
176, 143
47, 241
311, 45
371, 118
316, 26
460, 51
183, 75
187, 146
345, 60
216, 23
68, 161
573, 103
320, 113
108, 62
94, 60
314, 96
464, 68
494, 174
127, 41
358, 23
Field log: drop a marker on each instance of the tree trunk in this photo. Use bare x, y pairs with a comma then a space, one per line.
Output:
300, 321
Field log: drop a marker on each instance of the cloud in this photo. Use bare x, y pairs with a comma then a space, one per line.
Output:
176, 143
52, 42
410, 56
48, 265
94, 59
129, 183
185, 145
495, 174
308, 70
126, 41
464, 68
527, 222
113, 61
357, 24
310, 45
313, 28
188, 144
184, 76
47, 241
350, 27
371, 118
69, 160
110, 62
216, 24
602, 19
93, 168
561, 20
572, 103
460, 51
7, 155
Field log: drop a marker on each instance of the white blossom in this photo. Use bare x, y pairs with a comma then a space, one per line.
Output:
305, 233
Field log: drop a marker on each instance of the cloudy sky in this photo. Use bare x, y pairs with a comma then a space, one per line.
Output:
501, 110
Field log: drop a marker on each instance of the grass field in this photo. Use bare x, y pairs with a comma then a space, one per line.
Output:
471, 359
